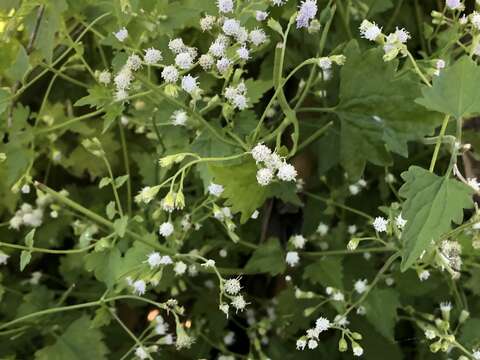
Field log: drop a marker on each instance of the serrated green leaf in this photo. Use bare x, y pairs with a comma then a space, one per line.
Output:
455, 90
381, 307
25, 257
106, 265
327, 272
268, 258
432, 204
80, 341
256, 89
239, 180
380, 115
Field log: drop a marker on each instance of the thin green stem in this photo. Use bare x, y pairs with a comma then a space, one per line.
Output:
342, 206
127, 168
47, 251
127, 330
114, 186
439, 142
377, 278
315, 136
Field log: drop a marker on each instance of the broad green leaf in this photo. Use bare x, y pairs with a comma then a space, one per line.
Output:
242, 191
256, 89
469, 334
327, 272
106, 265
377, 110
432, 204
268, 258
381, 306
25, 257
455, 90
80, 341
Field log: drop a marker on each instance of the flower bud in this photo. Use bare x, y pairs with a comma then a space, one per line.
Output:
464, 315
342, 345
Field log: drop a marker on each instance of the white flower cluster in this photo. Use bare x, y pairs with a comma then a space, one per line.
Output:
355, 189
310, 340
306, 12
393, 43
237, 96
31, 216
231, 290
273, 164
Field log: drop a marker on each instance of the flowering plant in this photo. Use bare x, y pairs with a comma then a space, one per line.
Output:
239, 179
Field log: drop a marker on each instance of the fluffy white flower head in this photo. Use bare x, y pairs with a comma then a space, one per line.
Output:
232, 286
225, 6
369, 31
121, 34
265, 176
287, 172
380, 224
261, 152
170, 74
184, 60
292, 258
166, 229
215, 189
152, 56
189, 83
179, 118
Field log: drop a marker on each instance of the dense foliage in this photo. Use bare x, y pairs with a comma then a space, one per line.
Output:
239, 179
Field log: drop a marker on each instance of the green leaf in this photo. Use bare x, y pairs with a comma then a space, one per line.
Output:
455, 90
80, 341
29, 238
256, 89
111, 210
275, 26
102, 318
381, 306
377, 110
238, 181
20, 66
106, 265
268, 258
432, 203
469, 335
327, 272
4, 99
120, 226
104, 182
119, 181
49, 25
25, 257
